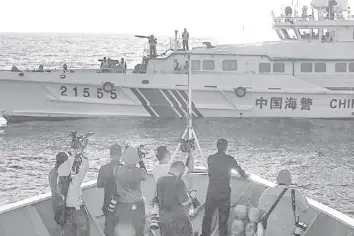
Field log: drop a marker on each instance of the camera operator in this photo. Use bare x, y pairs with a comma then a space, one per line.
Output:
106, 180
291, 203
129, 179
76, 166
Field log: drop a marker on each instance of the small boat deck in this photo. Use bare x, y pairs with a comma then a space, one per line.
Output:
34, 216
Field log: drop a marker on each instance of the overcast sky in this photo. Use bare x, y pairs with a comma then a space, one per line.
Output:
222, 19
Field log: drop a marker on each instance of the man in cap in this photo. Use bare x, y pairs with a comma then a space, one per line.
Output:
219, 190
281, 221
106, 180
129, 179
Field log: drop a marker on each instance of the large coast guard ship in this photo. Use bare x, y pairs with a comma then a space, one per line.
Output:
307, 73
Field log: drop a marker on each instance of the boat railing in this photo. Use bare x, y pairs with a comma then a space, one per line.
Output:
167, 46
315, 16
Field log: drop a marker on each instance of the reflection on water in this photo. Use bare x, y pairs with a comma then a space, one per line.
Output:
317, 152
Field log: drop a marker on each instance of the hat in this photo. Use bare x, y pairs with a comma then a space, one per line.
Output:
222, 143
130, 156
284, 177
115, 150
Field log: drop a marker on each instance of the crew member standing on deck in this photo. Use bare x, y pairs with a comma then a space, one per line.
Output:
152, 44
219, 190
106, 180
185, 36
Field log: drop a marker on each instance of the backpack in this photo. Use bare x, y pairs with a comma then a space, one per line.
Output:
59, 199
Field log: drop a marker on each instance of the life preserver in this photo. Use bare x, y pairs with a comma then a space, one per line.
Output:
240, 92
108, 87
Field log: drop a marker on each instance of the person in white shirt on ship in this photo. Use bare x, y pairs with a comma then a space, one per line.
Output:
165, 161
77, 165
163, 167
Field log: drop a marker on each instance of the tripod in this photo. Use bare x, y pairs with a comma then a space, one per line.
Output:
189, 129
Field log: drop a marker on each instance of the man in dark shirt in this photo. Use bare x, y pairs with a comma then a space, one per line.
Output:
106, 180
174, 202
129, 178
219, 190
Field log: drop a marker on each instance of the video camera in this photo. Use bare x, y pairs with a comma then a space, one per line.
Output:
187, 145
79, 142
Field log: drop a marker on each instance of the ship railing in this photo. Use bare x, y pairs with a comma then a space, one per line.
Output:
295, 17
167, 46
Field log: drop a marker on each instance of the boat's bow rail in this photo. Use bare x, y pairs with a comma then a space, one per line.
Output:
36, 214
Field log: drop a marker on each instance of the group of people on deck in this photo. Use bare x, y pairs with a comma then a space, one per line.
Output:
124, 204
109, 65
153, 43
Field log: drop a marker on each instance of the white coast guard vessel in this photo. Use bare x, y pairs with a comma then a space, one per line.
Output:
308, 73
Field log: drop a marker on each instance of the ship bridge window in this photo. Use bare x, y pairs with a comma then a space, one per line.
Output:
305, 33
306, 67
351, 67
291, 34
278, 67
315, 34
320, 67
341, 67
208, 65
229, 65
264, 67
280, 34
195, 64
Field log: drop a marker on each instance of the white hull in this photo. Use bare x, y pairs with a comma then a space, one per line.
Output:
46, 96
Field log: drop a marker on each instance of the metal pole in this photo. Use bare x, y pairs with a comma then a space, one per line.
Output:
176, 38
190, 97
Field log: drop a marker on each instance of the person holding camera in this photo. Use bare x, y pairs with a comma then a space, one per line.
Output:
129, 178
165, 160
106, 180
283, 219
174, 203
75, 167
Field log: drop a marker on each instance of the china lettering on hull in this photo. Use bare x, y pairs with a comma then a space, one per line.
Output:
287, 103
341, 103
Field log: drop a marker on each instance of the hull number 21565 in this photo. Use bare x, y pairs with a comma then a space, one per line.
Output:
86, 92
